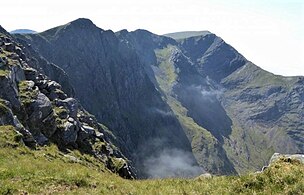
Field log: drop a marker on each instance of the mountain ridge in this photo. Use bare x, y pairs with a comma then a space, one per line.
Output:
107, 57
22, 31
213, 96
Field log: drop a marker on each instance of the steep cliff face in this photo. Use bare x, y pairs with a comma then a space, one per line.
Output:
187, 91
111, 82
53, 71
190, 94
42, 113
263, 112
212, 56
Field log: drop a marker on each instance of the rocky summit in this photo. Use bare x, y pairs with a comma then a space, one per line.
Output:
178, 105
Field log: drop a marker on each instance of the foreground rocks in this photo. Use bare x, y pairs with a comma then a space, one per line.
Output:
287, 157
276, 156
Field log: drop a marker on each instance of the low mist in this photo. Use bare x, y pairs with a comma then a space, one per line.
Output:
161, 112
206, 91
172, 163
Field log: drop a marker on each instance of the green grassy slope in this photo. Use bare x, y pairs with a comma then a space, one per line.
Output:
205, 146
272, 104
49, 171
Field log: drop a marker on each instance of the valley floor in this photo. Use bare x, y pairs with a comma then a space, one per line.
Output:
47, 170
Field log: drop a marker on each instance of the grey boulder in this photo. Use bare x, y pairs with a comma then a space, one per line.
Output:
42, 117
277, 156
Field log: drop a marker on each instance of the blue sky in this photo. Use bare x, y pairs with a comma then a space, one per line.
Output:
267, 32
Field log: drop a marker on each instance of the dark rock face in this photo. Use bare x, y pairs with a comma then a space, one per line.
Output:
157, 93
185, 89
43, 66
7, 118
70, 131
212, 56
71, 104
201, 68
39, 110
9, 91
9, 47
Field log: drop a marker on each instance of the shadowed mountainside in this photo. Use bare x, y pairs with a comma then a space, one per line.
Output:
111, 82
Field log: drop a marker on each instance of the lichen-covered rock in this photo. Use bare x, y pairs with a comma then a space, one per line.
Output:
27, 138
83, 135
70, 133
277, 156
7, 118
126, 172
89, 130
9, 90
41, 116
52, 86
30, 74
14, 56
286, 157
203, 176
120, 166
9, 47
71, 104
2, 62
17, 74
41, 83
19, 52
41, 139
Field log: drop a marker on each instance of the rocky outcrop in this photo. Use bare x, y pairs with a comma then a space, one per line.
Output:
8, 118
43, 113
276, 156
299, 158
53, 72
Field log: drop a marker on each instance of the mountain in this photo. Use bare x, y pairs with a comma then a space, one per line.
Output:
234, 113
110, 82
265, 110
185, 97
23, 31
